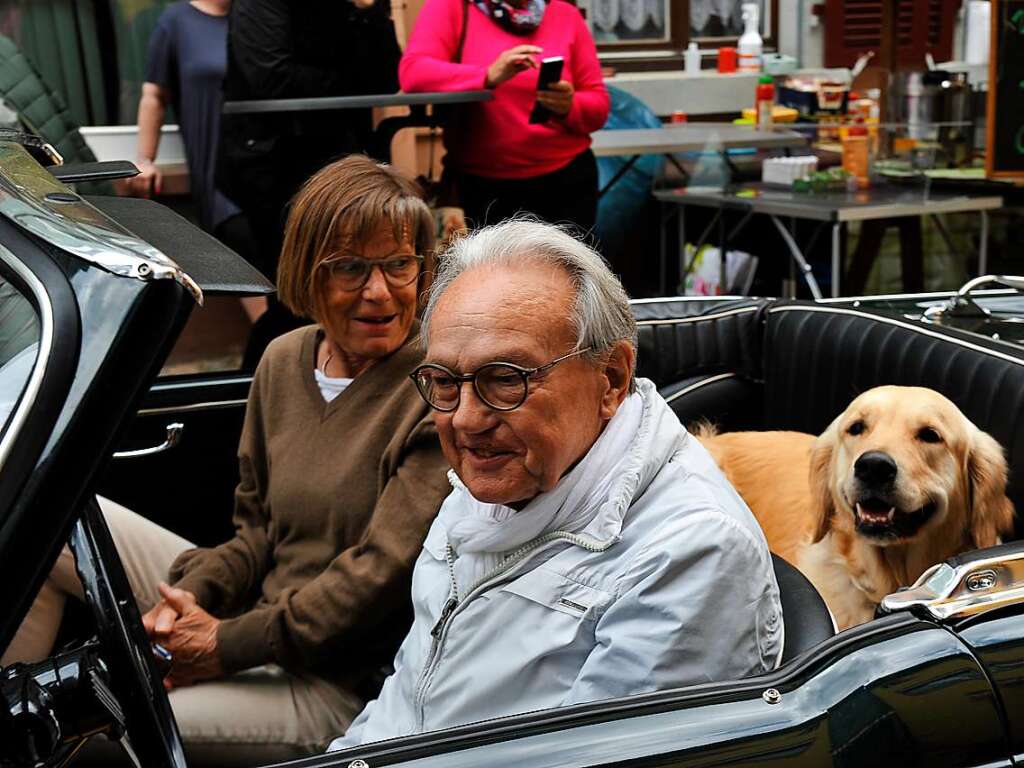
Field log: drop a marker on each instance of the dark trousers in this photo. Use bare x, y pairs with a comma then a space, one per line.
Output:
238, 234
565, 196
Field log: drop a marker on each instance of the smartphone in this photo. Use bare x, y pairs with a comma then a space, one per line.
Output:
550, 73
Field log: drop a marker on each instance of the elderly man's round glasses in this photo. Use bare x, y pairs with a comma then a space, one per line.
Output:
501, 386
350, 273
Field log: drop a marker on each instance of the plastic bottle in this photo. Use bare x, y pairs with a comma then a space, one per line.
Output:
874, 96
856, 159
764, 103
692, 59
750, 46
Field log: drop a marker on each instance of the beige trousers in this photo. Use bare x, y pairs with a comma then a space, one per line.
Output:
257, 716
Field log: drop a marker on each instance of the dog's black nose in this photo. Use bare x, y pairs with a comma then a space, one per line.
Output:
875, 468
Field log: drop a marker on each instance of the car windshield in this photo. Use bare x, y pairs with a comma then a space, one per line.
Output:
19, 344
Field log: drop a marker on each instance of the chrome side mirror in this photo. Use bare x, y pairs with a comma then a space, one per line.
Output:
962, 305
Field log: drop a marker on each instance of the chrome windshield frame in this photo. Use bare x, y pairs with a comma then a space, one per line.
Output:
32, 199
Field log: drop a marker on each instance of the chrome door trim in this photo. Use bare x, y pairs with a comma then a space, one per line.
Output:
699, 385
212, 405
698, 318
42, 356
173, 438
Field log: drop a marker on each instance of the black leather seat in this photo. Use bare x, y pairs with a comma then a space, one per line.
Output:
768, 364
804, 614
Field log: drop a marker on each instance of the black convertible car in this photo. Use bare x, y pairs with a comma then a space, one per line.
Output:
94, 292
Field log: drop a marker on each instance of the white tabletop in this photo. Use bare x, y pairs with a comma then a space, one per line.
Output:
693, 137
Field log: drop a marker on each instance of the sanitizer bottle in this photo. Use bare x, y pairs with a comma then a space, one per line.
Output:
692, 59
751, 45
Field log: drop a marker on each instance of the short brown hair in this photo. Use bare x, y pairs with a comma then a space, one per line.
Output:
347, 201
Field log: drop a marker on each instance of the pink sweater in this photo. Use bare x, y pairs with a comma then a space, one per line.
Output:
495, 138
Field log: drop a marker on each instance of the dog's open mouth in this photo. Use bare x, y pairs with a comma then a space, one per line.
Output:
878, 518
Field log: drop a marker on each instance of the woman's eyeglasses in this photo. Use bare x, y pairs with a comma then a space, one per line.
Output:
350, 273
501, 386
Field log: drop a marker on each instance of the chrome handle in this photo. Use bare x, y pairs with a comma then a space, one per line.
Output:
962, 305
173, 438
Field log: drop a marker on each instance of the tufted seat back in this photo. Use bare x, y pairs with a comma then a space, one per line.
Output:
819, 357
705, 355
763, 364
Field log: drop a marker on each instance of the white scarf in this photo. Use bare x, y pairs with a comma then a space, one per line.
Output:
482, 535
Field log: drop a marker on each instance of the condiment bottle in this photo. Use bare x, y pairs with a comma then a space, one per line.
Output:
856, 159
750, 45
764, 103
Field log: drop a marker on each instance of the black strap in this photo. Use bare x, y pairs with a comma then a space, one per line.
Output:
462, 34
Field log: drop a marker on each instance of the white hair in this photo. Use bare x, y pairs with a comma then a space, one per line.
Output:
601, 314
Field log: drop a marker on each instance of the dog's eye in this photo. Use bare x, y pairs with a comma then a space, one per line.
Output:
928, 435
856, 428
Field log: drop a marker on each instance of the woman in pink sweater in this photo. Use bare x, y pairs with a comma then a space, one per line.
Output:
503, 163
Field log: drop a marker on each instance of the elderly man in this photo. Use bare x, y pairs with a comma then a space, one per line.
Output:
590, 548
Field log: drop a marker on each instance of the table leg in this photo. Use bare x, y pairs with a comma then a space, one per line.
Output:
983, 247
947, 238
663, 215
684, 268
723, 250
798, 257
837, 262
618, 175
679, 167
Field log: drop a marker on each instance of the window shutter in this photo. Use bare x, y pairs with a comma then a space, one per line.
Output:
854, 27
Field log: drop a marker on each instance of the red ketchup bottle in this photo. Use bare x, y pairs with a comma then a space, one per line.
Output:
764, 103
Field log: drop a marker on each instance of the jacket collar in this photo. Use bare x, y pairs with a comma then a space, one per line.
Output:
659, 437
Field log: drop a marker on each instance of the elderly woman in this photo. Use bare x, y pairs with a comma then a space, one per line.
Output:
504, 162
590, 547
275, 633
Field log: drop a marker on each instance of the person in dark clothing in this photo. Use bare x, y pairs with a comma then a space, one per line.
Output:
185, 64
280, 49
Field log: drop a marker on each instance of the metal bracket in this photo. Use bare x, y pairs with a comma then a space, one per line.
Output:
962, 305
965, 586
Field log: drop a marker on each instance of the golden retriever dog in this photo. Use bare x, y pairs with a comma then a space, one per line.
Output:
900, 480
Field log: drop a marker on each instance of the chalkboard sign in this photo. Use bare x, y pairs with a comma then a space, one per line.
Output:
1005, 155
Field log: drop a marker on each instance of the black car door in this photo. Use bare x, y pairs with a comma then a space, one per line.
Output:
183, 439
184, 436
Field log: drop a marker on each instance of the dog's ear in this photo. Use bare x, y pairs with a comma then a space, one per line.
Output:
822, 503
990, 511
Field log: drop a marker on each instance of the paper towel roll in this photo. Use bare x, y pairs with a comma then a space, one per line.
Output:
976, 41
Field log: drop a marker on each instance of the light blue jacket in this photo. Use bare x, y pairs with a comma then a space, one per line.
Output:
686, 594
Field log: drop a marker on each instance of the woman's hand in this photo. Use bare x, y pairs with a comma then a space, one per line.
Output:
148, 182
159, 620
191, 639
510, 63
557, 98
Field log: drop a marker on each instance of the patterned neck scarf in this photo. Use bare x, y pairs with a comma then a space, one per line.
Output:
518, 21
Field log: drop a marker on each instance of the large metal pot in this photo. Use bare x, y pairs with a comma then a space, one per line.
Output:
936, 106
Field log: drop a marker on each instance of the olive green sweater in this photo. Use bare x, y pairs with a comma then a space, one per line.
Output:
334, 502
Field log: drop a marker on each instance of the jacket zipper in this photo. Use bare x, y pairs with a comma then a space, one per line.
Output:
453, 603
